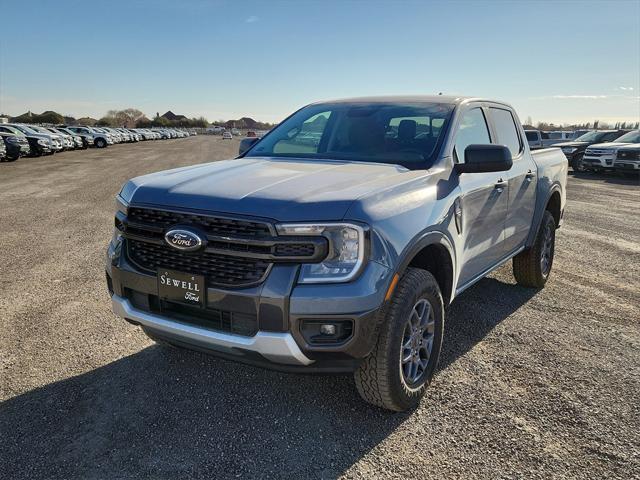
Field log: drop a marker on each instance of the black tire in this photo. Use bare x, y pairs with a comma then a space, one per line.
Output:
532, 267
101, 143
381, 377
577, 164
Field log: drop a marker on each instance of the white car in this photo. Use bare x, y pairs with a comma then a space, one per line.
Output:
227, 136
601, 156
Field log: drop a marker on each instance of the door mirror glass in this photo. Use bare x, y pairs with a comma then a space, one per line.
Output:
485, 158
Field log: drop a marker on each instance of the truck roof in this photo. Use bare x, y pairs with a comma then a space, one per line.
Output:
448, 99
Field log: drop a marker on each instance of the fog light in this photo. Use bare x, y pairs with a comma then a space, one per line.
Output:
328, 329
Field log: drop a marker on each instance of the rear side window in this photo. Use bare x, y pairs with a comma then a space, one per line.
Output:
472, 130
531, 136
506, 130
611, 136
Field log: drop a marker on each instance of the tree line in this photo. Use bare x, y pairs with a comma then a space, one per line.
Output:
595, 125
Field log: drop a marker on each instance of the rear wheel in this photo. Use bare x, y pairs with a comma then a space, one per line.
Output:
532, 267
101, 142
396, 374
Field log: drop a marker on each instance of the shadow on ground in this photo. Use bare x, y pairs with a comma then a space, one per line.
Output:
167, 413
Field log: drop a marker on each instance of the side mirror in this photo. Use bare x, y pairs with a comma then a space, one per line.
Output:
485, 158
246, 144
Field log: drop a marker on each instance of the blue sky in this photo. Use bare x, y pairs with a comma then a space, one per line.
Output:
554, 61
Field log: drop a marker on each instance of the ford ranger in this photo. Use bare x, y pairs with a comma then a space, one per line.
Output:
335, 242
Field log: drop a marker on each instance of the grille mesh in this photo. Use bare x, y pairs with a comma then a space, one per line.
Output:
211, 225
219, 270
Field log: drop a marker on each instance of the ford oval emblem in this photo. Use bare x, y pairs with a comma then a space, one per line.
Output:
183, 240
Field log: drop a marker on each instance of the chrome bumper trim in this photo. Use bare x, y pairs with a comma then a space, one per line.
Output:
274, 346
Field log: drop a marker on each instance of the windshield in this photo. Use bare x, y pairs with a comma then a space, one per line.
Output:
405, 134
14, 131
630, 137
41, 130
25, 129
591, 136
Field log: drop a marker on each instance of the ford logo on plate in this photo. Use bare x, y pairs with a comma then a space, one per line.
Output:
183, 240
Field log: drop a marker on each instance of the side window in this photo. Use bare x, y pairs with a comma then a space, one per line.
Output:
506, 130
472, 130
610, 137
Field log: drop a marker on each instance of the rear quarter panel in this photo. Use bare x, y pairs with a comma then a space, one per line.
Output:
552, 168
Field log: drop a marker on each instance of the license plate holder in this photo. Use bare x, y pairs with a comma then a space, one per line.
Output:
180, 287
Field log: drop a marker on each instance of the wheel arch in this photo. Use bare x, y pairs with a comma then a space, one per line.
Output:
433, 252
552, 203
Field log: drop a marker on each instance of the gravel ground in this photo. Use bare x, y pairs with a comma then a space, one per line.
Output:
531, 384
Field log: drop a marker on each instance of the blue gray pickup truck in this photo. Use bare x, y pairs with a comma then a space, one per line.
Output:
336, 242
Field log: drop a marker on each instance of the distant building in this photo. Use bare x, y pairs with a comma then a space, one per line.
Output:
172, 117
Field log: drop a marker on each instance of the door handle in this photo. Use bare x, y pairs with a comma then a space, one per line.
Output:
530, 175
501, 185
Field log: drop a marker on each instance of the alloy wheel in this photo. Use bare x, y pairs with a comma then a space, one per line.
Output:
417, 342
546, 252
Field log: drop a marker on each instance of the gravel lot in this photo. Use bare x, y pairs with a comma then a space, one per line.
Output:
531, 384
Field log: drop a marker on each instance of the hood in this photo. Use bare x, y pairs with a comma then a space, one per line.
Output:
283, 190
630, 146
571, 144
609, 145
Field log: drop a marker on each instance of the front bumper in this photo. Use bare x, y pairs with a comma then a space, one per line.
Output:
627, 165
600, 161
279, 307
273, 346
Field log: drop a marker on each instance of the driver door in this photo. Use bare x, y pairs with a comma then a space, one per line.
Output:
483, 203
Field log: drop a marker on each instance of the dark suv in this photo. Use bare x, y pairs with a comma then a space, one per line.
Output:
17, 146
574, 150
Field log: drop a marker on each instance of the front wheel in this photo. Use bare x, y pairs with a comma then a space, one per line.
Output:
396, 374
101, 142
532, 267
578, 164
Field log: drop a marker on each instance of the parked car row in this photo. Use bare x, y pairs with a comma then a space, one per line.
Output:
233, 132
594, 150
21, 140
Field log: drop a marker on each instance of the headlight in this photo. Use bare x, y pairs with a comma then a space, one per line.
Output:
346, 251
42, 142
569, 149
12, 140
121, 204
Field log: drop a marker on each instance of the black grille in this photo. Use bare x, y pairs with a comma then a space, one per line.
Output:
219, 270
628, 154
214, 319
239, 323
211, 225
295, 250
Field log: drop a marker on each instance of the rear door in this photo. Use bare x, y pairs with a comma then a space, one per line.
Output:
522, 178
483, 202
